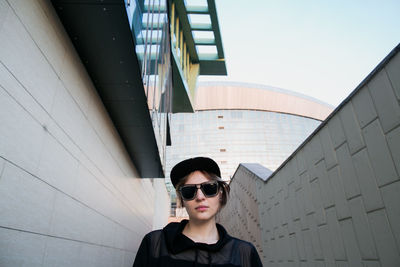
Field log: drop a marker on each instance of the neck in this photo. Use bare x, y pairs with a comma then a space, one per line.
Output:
202, 232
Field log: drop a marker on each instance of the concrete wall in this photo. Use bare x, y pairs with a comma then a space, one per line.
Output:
69, 194
335, 201
241, 214
162, 204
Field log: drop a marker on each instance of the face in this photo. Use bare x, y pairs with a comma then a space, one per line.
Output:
201, 208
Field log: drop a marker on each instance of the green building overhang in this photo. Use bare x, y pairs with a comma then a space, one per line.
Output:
181, 97
196, 48
202, 34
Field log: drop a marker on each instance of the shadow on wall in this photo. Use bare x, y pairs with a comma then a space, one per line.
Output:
335, 199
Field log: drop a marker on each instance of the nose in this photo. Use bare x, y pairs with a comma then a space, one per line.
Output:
199, 193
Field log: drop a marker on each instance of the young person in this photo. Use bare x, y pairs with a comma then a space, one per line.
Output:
199, 241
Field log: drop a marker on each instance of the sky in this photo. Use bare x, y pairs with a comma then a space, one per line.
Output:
322, 49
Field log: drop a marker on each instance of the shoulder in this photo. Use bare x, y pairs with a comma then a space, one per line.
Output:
153, 235
243, 245
169, 229
245, 253
152, 243
248, 253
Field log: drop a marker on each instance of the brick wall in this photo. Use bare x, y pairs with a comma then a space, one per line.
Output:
335, 201
69, 194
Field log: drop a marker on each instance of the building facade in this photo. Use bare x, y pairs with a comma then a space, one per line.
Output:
244, 123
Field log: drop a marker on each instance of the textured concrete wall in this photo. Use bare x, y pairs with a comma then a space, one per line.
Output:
162, 204
69, 195
335, 201
241, 215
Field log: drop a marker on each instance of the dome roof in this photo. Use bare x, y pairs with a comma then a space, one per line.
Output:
232, 95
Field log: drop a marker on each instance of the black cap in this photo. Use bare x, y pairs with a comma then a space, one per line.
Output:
184, 168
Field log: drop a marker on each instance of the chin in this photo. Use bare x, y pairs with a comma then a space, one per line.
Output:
202, 217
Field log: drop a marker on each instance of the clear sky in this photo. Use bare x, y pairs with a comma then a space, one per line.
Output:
320, 48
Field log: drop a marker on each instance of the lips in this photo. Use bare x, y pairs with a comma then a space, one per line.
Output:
201, 208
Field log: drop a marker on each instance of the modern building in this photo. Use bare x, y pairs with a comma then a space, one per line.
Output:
244, 123
85, 92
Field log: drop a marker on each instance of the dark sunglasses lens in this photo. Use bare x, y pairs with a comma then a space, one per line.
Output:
210, 189
188, 192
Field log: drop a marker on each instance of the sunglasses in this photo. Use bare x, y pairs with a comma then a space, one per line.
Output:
189, 191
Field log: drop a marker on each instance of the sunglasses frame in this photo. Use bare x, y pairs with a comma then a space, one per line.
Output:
199, 186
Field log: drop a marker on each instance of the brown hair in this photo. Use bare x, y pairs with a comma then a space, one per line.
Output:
224, 187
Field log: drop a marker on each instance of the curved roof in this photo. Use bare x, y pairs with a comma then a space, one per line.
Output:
232, 95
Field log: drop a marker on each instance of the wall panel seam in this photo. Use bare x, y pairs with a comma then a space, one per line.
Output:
66, 194
63, 238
